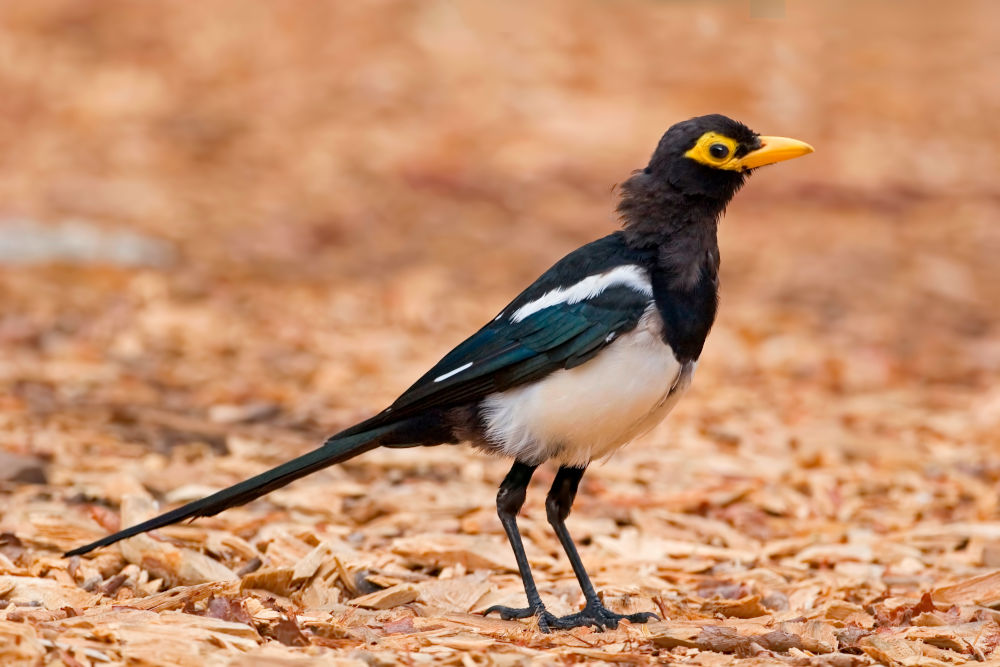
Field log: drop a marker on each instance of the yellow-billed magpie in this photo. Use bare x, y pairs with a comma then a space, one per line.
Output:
592, 354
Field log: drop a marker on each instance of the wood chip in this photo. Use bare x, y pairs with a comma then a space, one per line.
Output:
470, 551
388, 598
983, 589
457, 594
231, 229
182, 596
162, 559
20, 644
746, 607
896, 652
44, 592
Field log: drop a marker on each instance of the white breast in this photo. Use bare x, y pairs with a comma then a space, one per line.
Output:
575, 416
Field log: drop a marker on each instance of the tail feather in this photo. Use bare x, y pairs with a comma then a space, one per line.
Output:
336, 450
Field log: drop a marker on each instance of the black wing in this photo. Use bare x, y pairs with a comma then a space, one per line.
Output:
505, 354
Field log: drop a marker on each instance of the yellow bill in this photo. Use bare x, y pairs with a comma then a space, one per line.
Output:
774, 149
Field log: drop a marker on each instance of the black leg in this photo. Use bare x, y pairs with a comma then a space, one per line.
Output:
510, 499
557, 507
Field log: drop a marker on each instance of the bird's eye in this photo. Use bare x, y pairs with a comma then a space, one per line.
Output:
719, 151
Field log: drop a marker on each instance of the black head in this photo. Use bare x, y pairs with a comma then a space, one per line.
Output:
695, 170
710, 156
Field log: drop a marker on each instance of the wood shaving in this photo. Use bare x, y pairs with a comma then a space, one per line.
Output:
230, 229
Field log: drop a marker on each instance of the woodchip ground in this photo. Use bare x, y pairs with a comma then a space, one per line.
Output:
228, 229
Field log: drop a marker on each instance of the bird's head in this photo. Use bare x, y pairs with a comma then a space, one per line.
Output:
711, 155
695, 170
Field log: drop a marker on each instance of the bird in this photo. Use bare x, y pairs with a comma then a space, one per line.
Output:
588, 357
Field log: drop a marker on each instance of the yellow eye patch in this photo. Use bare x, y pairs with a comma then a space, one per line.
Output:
715, 150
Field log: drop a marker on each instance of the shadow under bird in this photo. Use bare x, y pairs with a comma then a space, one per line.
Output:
591, 355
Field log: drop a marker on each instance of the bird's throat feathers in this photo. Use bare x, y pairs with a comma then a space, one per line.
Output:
682, 230
653, 212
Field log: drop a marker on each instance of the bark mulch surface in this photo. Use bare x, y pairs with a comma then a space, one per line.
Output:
228, 229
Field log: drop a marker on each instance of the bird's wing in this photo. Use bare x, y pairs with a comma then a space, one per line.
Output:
508, 352
573, 310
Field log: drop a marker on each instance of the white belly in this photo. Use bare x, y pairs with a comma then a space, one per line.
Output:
575, 416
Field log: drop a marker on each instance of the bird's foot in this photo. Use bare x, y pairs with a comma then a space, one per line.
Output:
594, 614
597, 615
547, 621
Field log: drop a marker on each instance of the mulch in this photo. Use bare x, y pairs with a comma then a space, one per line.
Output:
336, 218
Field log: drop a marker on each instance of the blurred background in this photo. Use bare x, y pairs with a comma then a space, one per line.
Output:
177, 180
269, 218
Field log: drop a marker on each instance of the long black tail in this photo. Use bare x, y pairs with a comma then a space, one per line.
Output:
336, 450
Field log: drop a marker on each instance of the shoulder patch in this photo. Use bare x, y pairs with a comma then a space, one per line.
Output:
631, 276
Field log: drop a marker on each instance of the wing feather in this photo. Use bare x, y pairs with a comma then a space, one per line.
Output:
505, 354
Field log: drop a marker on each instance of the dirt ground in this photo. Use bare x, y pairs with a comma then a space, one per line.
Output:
228, 229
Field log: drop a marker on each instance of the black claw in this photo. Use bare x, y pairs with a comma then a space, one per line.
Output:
510, 613
641, 617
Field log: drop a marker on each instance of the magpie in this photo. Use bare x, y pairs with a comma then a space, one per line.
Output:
591, 355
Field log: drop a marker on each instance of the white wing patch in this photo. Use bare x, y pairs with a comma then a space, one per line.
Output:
458, 370
630, 275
